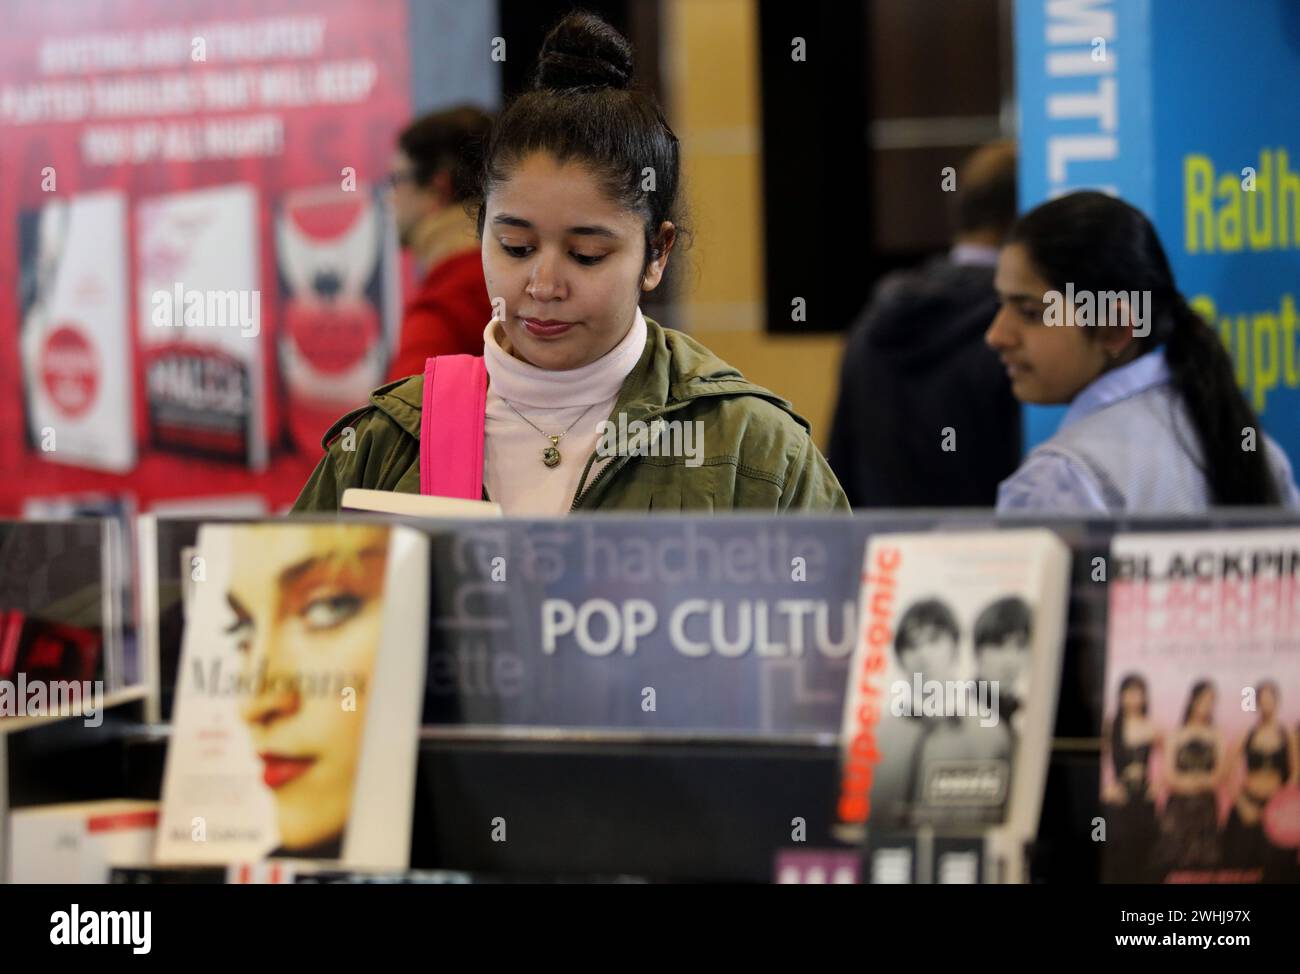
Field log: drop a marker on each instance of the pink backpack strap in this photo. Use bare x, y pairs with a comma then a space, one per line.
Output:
451, 426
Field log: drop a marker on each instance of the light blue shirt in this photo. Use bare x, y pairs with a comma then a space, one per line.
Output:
1126, 444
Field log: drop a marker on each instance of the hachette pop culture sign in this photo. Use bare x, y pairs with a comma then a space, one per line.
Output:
1186, 109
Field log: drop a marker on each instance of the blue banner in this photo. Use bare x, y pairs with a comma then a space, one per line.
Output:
1188, 110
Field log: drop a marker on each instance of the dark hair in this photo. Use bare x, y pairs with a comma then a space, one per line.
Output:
450, 140
923, 615
1117, 725
1271, 686
1100, 243
582, 107
1200, 687
986, 189
1005, 617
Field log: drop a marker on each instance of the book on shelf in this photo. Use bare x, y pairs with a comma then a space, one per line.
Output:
1200, 771
952, 689
80, 842
298, 697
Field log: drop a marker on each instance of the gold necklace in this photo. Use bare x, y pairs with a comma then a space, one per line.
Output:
550, 455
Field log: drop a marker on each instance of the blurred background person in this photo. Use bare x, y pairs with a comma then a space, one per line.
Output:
1157, 422
432, 174
915, 365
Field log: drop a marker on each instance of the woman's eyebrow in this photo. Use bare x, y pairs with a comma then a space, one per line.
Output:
236, 606
592, 230
297, 570
512, 221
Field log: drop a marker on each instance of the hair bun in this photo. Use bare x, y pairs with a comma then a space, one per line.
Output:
582, 51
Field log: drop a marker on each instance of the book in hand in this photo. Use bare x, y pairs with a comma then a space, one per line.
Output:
953, 683
416, 505
298, 699
1200, 776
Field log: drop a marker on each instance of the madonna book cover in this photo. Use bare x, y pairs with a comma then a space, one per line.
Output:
1200, 775
952, 689
298, 699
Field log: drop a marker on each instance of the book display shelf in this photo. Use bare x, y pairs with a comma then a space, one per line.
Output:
663, 699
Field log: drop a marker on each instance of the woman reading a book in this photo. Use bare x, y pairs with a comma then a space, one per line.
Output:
1091, 317
586, 403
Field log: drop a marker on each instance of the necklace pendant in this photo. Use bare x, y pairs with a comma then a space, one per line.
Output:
551, 455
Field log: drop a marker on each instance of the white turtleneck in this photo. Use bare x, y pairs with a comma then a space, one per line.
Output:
513, 471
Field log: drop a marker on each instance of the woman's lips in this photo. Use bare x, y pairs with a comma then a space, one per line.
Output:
546, 328
1014, 369
279, 770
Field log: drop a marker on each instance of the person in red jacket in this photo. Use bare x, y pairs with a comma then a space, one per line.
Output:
431, 177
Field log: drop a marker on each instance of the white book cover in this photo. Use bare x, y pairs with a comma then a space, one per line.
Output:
200, 310
416, 505
952, 690
76, 345
81, 842
1200, 770
299, 697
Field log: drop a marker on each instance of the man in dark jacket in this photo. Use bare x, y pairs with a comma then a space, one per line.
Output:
925, 416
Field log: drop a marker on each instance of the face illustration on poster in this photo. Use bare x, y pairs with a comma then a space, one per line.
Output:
333, 249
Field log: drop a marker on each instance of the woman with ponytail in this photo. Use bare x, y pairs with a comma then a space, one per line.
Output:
580, 402
1156, 421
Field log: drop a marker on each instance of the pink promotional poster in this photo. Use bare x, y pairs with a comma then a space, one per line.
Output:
139, 346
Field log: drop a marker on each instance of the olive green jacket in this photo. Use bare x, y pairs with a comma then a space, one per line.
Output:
757, 453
